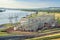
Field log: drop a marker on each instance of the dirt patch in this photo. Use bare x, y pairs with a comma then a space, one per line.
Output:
56, 39
23, 33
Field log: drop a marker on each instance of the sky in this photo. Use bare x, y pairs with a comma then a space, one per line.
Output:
29, 3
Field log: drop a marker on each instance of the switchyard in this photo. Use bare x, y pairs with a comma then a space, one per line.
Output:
46, 19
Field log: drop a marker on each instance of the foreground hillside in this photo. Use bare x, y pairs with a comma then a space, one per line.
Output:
57, 15
48, 37
33, 15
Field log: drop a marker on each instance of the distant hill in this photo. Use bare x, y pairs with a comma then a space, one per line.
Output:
48, 9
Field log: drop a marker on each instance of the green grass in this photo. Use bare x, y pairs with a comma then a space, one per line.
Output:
58, 20
49, 37
7, 34
49, 30
46, 38
4, 34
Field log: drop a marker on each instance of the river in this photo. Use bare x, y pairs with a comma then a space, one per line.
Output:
5, 15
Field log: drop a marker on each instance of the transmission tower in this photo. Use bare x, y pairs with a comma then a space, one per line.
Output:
16, 19
10, 19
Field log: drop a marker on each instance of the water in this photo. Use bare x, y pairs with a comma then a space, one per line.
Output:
5, 15
12, 38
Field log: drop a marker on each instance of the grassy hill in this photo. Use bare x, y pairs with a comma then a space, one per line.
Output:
6, 26
57, 15
33, 15
47, 37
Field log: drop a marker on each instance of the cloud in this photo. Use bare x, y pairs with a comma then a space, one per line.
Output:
23, 4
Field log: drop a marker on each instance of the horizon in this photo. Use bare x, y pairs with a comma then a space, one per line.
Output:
26, 8
29, 3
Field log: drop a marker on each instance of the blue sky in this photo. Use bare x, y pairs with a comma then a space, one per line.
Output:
39, 0
29, 3
42, 3
47, 2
